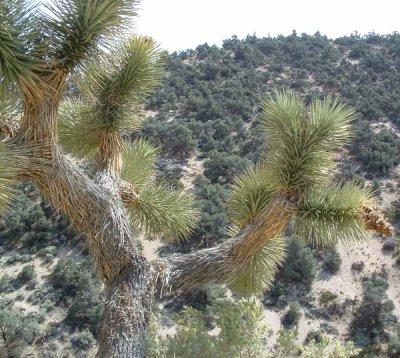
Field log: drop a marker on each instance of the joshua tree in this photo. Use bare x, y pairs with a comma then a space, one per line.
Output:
108, 191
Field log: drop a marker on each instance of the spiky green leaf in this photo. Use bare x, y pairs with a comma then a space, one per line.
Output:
331, 214
139, 163
163, 211
118, 83
258, 275
17, 48
249, 195
302, 141
114, 89
76, 29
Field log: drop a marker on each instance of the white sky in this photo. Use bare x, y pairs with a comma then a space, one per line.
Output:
182, 24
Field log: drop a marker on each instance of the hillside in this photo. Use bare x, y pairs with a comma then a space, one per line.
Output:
204, 117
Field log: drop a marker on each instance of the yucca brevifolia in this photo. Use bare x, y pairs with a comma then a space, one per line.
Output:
39, 51
108, 191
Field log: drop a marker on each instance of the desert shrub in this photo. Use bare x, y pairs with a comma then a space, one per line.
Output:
27, 222
83, 340
174, 138
300, 265
213, 220
378, 152
328, 328
276, 294
331, 261
27, 274
50, 350
50, 251
222, 167
396, 256
318, 346
358, 266
374, 315
327, 297
389, 245
6, 284
299, 268
70, 276
314, 336
241, 332
14, 258
17, 331
292, 316
85, 310
195, 298
394, 212
41, 231
393, 347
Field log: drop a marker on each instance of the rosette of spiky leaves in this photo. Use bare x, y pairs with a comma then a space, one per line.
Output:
301, 141
301, 145
118, 83
114, 89
163, 211
331, 214
78, 29
258, 275
249, 195
18, 50
139, 166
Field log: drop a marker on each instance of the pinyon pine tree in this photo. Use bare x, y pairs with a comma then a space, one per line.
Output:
75, 153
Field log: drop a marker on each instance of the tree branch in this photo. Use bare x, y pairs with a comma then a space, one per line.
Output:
222, 263
225, 262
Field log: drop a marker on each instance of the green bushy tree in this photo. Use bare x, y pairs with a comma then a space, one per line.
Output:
374, 316
240, 333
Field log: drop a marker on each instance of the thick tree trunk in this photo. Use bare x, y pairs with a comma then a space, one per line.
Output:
94, 207
126, 313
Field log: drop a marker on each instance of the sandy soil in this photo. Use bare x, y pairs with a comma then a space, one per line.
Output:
192, 169
150, 248
346, 284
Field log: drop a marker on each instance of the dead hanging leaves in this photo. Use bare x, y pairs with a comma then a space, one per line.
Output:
375, 220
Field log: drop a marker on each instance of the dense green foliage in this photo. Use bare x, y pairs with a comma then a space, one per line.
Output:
292, 316
240, 332
17, 331
32, 231
374, 318
331, 260
298, 270
301, 265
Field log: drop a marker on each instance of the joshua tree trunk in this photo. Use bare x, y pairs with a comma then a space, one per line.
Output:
126, 312
94, 207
